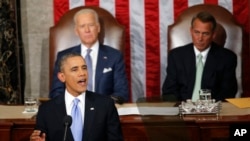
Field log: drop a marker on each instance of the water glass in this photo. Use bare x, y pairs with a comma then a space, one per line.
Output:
30, 104
205, 94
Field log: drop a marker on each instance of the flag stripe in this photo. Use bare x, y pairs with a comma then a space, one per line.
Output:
92, 2
152, 48
166, 18
179, 6
215, 2
60, 7
108, 5
194, 2
226, 4
146, 23
137, 43
75, 3
122, 14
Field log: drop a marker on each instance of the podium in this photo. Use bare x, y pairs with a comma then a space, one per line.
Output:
16, 126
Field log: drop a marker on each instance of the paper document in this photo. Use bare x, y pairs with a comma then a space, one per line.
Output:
240, 102
148, 111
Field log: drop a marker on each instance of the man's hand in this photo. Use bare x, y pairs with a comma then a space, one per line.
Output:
37, 135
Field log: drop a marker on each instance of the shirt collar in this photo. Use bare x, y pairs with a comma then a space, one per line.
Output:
69, 98
94, 47
203, 53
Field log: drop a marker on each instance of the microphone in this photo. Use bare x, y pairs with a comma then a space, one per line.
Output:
67, 122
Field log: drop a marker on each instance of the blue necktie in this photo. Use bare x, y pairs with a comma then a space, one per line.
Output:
197, 86
77, 124
89, 66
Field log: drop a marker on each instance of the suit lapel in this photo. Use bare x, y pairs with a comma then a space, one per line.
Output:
102, 60
60, 106
190, 65
89, 115
60, 112
209, 67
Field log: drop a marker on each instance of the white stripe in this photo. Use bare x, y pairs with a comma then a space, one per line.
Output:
109, 5
166, 12
137, 43
228, 4
75, 3
194, 2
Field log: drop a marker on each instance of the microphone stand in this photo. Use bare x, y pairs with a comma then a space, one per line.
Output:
67, 123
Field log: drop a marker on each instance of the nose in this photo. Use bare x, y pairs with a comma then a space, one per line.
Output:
200, 37
87, 29
82, 72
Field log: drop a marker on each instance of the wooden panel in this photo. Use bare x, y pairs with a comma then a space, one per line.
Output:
22, 130
215, 133
147, 128
159, 128
5, 130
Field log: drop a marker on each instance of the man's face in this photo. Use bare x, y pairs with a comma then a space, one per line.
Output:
87, 28
202, 34
74, 74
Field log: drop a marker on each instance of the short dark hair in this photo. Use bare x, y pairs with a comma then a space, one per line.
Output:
205, 17
65, 57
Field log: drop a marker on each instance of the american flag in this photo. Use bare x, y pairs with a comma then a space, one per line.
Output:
146, 23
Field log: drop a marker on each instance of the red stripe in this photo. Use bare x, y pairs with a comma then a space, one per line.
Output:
60, 7
152, 48
211, 2
92, 2
122, 16
179, 6
241, 14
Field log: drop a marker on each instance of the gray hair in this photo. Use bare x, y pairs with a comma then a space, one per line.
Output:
205, 17
84, 11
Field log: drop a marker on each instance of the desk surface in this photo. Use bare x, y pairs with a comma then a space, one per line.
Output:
228, 109
16, 126
16, 112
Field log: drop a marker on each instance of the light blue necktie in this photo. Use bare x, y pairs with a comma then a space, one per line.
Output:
89, 66
77, 124
197, 86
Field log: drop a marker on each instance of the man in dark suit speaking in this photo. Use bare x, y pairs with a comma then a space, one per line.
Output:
97, 118
107, 74
218, 64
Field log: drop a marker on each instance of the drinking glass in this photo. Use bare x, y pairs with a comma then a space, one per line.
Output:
205, 94
30, 104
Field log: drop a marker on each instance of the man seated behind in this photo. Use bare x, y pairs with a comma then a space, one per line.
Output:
99, 120
107, 74
219, 64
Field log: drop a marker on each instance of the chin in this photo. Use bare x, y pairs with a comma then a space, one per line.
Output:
82, 90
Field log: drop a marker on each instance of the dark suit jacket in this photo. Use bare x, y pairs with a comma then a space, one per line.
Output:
218, 74
113, 82
100, 124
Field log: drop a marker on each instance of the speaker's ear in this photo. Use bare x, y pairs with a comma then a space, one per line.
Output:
61, 76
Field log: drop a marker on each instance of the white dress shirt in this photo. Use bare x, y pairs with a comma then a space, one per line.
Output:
203, 53
69, 103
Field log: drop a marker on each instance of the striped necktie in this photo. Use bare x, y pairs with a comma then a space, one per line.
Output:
89, 66
77, 124
198, 77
